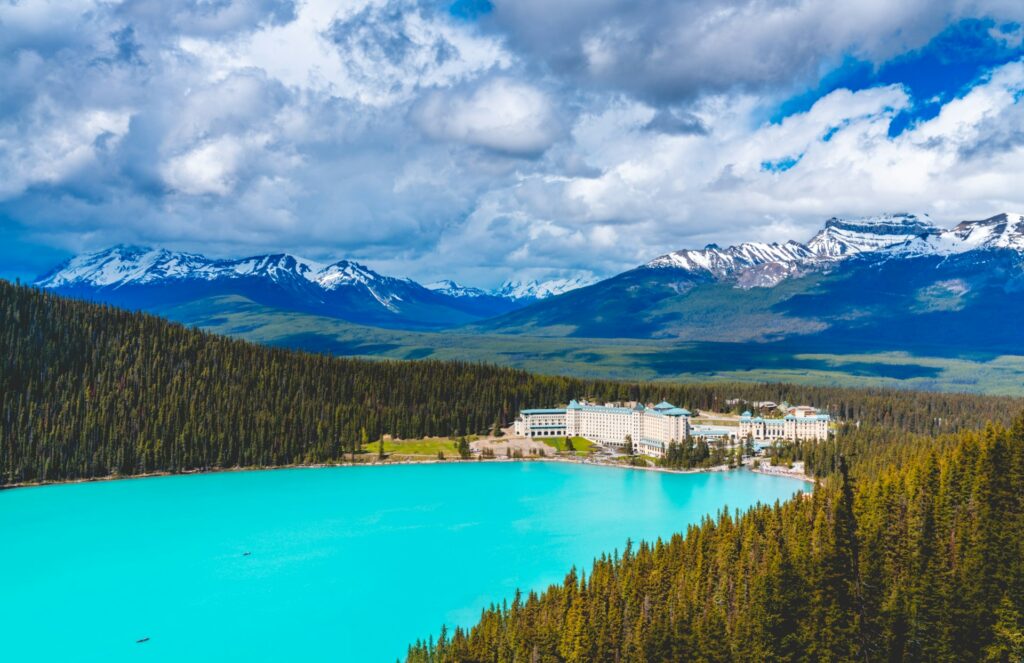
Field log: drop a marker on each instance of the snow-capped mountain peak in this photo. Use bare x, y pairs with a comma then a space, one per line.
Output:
120, 265
275, 266
719, 262
123, 265
891, 235
541, 289
1003, 231
125, 269
345, 272
846, 237
453, 289
151, 279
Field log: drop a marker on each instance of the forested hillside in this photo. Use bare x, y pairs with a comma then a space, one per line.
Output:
916, 554
87, 390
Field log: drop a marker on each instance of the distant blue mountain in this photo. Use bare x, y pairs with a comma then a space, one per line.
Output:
157, 279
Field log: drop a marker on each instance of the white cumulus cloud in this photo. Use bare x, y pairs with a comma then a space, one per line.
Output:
502, 115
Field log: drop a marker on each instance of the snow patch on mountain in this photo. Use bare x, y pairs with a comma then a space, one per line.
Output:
453, 289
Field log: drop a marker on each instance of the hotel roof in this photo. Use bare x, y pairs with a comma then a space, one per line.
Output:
664, 408
701, 430
788, 417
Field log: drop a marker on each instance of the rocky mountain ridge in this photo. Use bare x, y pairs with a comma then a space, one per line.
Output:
760, 264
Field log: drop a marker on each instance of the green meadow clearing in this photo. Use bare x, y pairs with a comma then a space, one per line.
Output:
581, 445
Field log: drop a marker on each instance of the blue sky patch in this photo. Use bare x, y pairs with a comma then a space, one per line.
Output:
470, 9
944, 69
781, 165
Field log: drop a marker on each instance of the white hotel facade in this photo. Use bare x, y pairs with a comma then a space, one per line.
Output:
651, 429
802, 423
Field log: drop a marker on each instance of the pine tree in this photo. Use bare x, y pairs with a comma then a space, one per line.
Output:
1008, 641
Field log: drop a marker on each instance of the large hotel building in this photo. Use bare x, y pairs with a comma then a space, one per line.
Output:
652, 428
649, 428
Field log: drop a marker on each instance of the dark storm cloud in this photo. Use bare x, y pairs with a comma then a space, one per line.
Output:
670, 50
673, 121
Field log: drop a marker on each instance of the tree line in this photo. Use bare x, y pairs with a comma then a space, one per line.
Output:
88, 390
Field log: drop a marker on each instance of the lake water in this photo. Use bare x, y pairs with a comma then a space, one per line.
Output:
345, 564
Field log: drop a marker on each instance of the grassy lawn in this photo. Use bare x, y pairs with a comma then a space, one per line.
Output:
424, 447
581, 444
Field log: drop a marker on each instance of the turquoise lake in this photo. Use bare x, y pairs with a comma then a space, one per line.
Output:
345, 564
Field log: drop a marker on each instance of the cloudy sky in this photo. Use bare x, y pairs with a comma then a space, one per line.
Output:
483, 140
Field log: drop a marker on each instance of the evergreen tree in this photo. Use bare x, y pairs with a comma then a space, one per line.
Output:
1008, 641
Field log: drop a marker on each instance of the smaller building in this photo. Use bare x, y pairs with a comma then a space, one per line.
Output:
714, 433
809, 424
541, 423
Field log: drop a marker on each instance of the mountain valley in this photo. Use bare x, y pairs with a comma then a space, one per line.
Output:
892, 299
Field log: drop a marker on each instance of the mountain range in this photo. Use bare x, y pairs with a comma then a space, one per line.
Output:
890, 282
894, 282
759, 264
154, 279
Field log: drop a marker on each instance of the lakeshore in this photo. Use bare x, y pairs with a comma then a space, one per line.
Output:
780, 471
